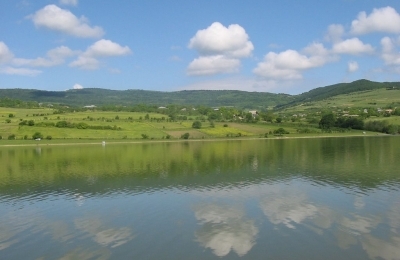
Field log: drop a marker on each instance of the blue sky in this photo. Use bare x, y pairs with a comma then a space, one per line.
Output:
255, 45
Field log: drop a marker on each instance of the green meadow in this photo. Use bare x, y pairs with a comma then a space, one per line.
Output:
125, 126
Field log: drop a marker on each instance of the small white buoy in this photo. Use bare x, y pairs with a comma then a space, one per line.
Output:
103, 143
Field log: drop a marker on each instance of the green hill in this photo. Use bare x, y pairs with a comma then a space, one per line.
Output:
322, 93
210, 98
100, 97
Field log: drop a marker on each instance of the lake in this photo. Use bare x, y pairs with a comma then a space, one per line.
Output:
322, 198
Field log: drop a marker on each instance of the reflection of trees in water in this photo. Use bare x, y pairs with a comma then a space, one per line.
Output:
362, 162
225, 228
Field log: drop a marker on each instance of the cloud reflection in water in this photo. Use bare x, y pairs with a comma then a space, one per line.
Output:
224, 229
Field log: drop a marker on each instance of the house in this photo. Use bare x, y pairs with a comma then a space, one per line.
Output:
253, 113
91, 106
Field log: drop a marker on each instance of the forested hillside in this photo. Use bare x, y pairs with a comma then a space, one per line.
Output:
210, 98
98, 97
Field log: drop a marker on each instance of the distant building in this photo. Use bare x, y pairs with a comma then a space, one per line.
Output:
253, 113
91, 106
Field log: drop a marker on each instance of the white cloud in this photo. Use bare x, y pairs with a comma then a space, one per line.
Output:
86, 63
335, 33
389, 53
352, 46
209, 65
352, 66
220, 40
54, 18
289, 64
77, 86
19, 71
5, 54
102, 48
220, 49
384, 19
69, 2
54, 57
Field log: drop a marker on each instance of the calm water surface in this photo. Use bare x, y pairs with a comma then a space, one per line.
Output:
334, 198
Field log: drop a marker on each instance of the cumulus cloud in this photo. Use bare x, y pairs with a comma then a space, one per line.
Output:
54, 18
213, 65
77, 86
69, 2
384, 19
389, 53
5, 54
220, 49
335, 33
352, 46
19, 71
54, 57
352, 66
86, 63
102, 48
218, 39
289, 64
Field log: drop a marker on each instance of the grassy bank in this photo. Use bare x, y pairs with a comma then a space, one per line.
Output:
96, 126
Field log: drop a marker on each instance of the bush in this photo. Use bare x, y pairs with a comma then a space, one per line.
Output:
196, 124
185, 136
280, 131
11, 137
49, 137
8, 120
225, 125
37, 135
168, 137
25, 137
144, 136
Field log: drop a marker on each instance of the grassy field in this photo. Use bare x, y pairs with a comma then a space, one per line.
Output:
378, 98
131, 126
